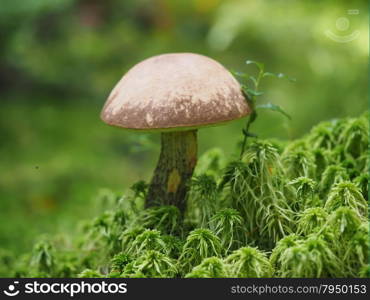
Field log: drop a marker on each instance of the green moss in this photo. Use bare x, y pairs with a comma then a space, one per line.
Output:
297, 211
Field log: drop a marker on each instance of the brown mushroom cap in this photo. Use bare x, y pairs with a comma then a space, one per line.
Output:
177, 91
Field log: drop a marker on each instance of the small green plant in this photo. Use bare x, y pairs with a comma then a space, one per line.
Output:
321, 162
211, 267
211, 162
107, 227
365, 271
200, 243
362, 182
204, 198
249, 262
305, 190
43, 260
344, 222
311, 257
174, 245
299, 163
356, 251
149, 239
140, 189
89, 274
256, 186
333, 174
355, 136
285, 243
227, 224
322, 136
251, 88
151, 264
119, 261
128, 236
347, 194
311, 220
166, 218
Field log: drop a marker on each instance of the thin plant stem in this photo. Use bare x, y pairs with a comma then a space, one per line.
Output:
245, 138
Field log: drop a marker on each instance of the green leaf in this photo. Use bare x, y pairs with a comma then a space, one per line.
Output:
254, 80
250, 91
245, 91
240, 74
278, 75
253, 116
255, 93
249, 134
259, 65
274, 107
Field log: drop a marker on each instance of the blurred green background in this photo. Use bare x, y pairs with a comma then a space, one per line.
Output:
61, 58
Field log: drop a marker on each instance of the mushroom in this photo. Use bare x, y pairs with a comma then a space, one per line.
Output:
174, 94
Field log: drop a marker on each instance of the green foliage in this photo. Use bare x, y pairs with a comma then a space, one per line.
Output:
140, 189
347, 194
305, 191
311, 257
356, 251
344, 222
294, 209
284, 244
333, 174
150, 239
119, 261
256, 186
166, 218
355, 137
151, 264
249, 262
227, 224
6, 262
42, 259
129, 235
89, 274
322, 137
274, 107
211, 162
174, 245
250, 86
362, 181
200, 243
299, 163
203, 197
52, 106
311, 220
211, 267
321, 161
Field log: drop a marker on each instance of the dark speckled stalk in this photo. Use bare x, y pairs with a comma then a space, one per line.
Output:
170, 183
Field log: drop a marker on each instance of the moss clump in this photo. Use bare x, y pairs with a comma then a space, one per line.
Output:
299, 210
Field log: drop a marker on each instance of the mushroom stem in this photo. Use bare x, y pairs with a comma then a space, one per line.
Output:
174, 169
